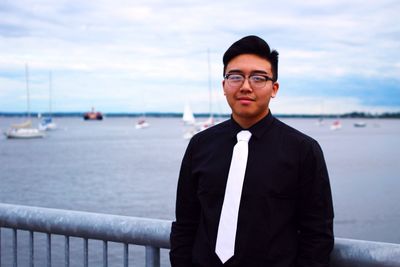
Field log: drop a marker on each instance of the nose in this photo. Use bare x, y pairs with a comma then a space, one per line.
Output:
246, 85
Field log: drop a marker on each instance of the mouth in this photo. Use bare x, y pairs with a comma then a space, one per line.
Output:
245, 100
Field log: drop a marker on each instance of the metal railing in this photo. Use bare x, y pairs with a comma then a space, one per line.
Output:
150, 233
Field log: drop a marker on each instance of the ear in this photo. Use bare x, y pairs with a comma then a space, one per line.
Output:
275, 88
223, 86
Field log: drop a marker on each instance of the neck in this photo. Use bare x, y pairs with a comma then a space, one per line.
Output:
247, 122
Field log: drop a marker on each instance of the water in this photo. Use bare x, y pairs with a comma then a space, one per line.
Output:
110, 167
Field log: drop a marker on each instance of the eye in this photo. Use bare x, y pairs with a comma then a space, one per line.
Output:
258, 78
235, 78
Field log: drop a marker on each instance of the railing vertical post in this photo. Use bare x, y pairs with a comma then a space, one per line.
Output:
105, 253
85, 252
152, 256
0, 246
31, 249
66, 248
48, 244
126, 255
15, 247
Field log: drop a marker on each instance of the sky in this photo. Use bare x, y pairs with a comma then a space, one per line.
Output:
335, 56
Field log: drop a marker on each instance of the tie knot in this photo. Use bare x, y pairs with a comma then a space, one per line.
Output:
244, 136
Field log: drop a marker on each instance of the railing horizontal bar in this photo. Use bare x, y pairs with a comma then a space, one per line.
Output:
123, 229
354, 253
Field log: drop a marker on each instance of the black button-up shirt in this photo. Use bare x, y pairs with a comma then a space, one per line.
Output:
285, 215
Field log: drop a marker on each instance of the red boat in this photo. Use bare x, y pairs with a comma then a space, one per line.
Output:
93, 115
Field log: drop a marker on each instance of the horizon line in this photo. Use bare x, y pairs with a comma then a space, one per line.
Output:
353, 114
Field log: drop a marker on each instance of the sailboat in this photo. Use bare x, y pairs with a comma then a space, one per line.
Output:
320, 121
24, 130
47, 123
142, 123
336, 125
210, 121
360, 124
187, 116
189, 120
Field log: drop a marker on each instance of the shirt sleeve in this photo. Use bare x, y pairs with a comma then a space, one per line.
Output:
316, 239
187, 211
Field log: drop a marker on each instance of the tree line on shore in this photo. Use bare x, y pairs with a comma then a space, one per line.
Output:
355, 114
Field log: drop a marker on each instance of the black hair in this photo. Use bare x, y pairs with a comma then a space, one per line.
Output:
252, 45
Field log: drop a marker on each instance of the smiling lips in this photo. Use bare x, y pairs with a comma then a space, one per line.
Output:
245, 100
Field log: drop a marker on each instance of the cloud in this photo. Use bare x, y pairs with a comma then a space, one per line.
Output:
107, 53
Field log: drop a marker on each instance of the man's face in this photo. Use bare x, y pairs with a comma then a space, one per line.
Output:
248, 104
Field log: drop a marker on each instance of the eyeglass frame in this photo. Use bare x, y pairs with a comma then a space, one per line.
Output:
267, 78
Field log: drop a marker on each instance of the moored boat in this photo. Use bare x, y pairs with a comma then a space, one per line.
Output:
24, 133
141, 124
336, 125
360, 124
47, 124
93, 115
24, 130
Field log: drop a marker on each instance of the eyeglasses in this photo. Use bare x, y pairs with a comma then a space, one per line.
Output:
256, 81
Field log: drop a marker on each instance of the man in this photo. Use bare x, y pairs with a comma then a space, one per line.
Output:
283, 214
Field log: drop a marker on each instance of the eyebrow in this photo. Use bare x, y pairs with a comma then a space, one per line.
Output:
252, 72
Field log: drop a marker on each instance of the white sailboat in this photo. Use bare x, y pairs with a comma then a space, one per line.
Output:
188, 117
320, 121
142, 123
47, 123
189, 121
198, 126
24, 130
336, 125
210, 121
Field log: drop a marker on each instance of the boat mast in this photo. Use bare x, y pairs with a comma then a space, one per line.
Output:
50, 96
27, 91
209, 82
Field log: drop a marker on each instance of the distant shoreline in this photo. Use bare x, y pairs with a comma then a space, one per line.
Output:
386, 115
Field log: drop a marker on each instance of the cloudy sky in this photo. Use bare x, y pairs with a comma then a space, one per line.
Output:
140, 56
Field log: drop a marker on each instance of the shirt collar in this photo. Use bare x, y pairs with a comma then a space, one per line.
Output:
257, 129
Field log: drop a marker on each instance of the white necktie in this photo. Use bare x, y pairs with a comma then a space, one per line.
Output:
225, 245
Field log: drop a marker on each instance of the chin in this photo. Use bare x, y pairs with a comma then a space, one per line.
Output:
246, 111
250, 114
245, 114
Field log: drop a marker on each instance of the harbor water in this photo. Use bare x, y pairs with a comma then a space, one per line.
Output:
110, 167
